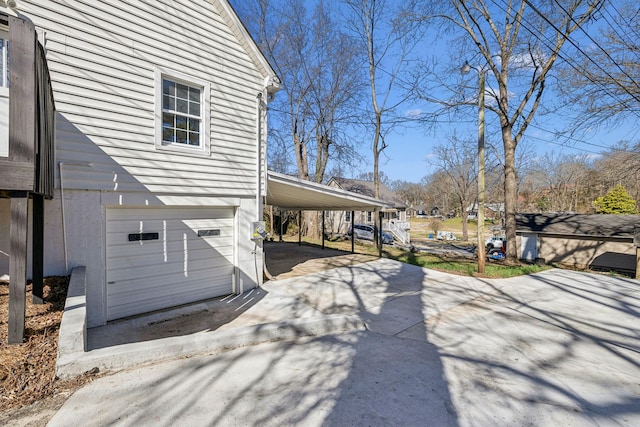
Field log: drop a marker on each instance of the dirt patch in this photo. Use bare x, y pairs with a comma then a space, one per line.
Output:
28, 385
285, 260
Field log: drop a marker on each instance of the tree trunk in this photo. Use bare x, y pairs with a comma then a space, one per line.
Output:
301, 156
510, 194
376, 155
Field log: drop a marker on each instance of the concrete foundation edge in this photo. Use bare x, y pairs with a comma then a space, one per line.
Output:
73, 360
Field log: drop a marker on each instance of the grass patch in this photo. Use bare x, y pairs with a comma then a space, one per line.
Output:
448, 264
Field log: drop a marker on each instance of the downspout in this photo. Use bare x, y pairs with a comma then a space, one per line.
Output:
261, 109
262, 106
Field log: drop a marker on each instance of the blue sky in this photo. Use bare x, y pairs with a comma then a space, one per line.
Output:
410, 148
407, 156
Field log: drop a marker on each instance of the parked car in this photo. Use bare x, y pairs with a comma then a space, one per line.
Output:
365, 232
494, 242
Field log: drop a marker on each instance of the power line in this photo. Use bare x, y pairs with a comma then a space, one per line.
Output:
547, 43
599, 47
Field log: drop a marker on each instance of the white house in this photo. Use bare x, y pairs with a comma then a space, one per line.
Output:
394, 214
159, 150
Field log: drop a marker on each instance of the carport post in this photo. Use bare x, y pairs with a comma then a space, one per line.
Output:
322, 229
299, 228
636, 240
380, 215
352, 233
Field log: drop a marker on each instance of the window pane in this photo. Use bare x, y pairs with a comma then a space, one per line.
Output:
181, 137
194, 109
182, 106
194, 125
168, 87
168, 103
168, 135
7, 73
194, 138
182, 91
194, 94
2, 82
168, 120
181, 122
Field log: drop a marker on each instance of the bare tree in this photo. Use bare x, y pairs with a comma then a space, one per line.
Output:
457, 160
618, 165
605, 81
321, 82
387, 35
518, 43
559, 181
413, 194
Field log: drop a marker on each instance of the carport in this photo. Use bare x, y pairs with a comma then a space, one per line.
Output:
291, 193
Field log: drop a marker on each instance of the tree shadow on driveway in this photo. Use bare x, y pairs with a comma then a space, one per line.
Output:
555, 348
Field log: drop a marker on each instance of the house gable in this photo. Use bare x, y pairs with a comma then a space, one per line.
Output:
367, 188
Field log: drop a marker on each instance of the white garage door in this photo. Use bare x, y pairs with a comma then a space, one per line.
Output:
163, 257
529, 246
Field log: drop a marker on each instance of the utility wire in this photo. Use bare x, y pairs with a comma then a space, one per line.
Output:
527, 26
568, 38
623, 71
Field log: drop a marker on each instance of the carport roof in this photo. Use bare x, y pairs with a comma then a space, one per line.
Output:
289, 192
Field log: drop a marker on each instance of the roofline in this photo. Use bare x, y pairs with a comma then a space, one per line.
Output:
272, 81
321, 188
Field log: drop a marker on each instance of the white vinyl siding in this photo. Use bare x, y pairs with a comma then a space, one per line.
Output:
103, 59
177, 267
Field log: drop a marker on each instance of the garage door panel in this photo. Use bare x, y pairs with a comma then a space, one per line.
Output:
177, 213
171, 284
178, 267
153, 302
119, 232
187, 269
128, 259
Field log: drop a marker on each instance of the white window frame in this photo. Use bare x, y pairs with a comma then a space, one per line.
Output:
4, 59
347, 216
205, 112
369, 216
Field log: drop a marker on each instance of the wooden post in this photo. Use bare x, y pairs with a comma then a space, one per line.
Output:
380, 215
352, 233
299, 228
322, 230
37, 272
18, 266
636, 241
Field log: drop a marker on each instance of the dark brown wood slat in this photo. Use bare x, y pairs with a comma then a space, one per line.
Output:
16, 175
18, 266
37, 273
22, 96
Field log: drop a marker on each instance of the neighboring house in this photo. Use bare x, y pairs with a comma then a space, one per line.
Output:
491, 210
421, 211
394, 218
604, 242
159, 150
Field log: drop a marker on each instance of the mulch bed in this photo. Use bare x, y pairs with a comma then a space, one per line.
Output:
27, 370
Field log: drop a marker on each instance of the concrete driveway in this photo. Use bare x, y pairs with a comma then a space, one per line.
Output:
556, 348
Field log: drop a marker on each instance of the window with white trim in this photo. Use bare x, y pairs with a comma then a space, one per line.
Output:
347, 216
369, 216
4, 59
182, 112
